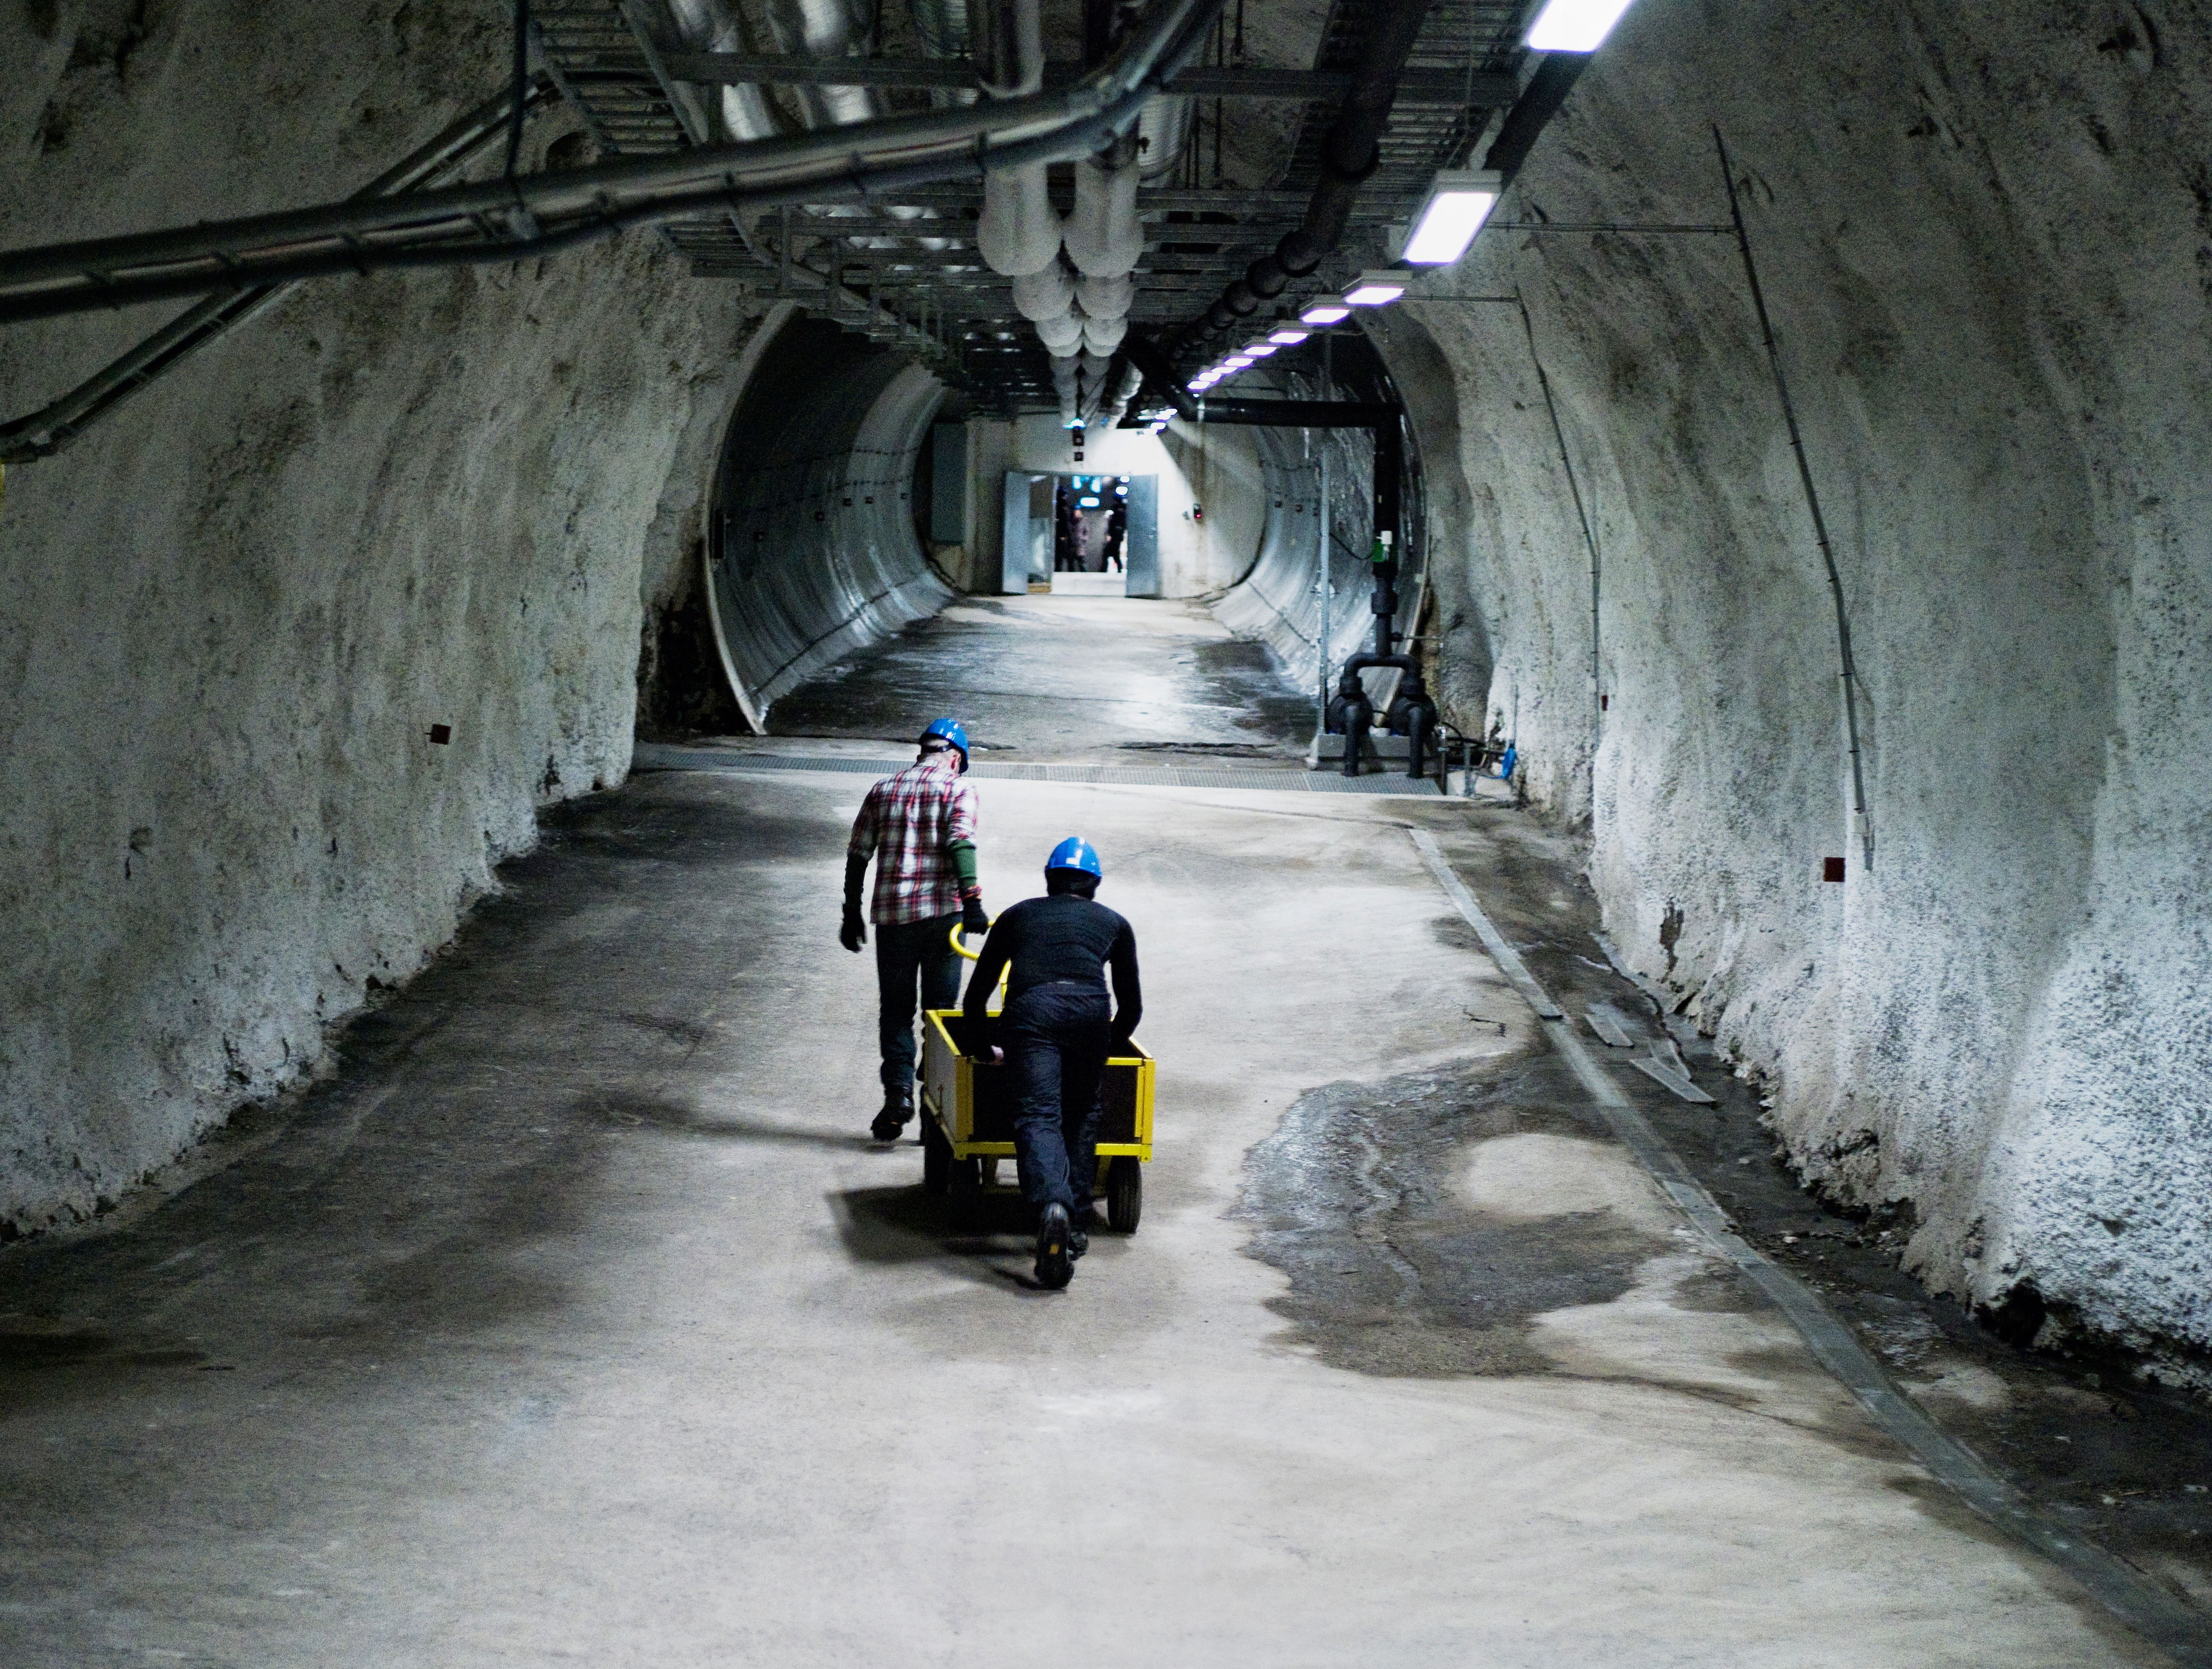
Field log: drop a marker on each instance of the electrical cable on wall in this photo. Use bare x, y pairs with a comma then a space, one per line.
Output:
1812, 502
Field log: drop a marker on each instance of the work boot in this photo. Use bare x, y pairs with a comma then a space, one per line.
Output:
1078, 1241
897, 1109
1054, 1264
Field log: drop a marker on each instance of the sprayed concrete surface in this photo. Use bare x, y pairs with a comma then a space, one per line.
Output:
1983, 231
1062, 677
231, 615
575, 1315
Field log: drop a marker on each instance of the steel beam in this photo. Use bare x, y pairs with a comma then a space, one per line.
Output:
1454, 87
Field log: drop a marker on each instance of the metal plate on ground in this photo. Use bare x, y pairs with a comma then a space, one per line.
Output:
1605, 1021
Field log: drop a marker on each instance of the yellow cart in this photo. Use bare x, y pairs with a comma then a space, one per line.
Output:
967, 1122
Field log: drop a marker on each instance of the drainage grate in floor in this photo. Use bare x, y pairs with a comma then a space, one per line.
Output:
656, 756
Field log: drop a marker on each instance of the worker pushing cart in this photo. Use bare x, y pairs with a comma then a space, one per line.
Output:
1056, 1031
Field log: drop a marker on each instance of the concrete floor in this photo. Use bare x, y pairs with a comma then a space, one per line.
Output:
577, 1319
1091, 679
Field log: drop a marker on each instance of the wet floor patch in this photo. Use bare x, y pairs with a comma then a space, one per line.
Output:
1427, 1221
2125, 1463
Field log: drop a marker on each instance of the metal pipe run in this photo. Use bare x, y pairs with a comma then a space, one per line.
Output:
1350, 155
54, 426
542, 214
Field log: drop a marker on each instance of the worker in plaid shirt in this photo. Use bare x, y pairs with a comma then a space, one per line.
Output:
919, 827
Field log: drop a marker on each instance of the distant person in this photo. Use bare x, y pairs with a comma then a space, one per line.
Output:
919, 827
1117, 528
1057, 1032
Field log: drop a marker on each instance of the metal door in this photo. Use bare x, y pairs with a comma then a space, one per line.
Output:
1020, 538
1140, 536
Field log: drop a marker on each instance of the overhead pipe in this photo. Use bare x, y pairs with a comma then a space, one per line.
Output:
825, 31
711, 25
535, 215
1350, 155
59, 423
1162, 135
1019, 232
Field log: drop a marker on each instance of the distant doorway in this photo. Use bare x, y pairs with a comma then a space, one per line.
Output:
1095, 535
1091, 524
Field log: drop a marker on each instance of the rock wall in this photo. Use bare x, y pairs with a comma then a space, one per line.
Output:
230, 616
1985, 231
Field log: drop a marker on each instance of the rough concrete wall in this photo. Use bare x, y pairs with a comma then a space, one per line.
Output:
232, 614
1986, 236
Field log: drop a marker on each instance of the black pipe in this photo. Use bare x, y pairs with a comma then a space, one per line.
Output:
1539, 102
1350, 153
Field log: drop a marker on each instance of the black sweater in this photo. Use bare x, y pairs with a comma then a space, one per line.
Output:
1064, 938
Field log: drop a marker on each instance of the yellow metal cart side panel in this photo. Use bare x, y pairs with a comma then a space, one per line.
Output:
948, 1078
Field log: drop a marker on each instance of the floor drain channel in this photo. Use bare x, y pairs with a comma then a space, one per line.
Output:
2175, 1628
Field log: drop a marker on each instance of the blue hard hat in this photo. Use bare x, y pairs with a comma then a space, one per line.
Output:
949, 730
1076, 853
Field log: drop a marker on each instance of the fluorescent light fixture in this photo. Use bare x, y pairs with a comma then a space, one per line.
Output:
1324, 310
1459, 200
1289, 336
1375, 288
1237, 361
1574, 26
1156, 428
1261, 349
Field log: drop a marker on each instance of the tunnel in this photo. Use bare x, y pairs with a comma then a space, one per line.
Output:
1621, 588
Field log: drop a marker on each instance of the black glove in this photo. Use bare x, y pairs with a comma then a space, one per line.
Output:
852, 935
972, 922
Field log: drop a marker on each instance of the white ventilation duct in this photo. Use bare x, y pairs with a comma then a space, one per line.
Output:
1106, 298
1047, 294
1117, 404
1103, 237
1062, 334
1063, 385
1162, 134
1019, 232
1103, 335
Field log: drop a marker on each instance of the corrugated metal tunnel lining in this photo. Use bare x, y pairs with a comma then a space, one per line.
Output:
812, 550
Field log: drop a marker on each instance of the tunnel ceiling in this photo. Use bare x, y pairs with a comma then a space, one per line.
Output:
1261, 101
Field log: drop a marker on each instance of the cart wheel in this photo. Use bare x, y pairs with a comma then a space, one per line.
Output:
964, 1191
936, 1155
1125, 1195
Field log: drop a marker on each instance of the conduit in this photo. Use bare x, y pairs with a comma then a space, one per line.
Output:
1349, 154
59, 423
1851, 674
541, 214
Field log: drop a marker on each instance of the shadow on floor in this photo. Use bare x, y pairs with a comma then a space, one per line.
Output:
901, 1225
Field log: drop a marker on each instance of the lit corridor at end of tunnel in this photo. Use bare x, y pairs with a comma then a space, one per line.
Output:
1610, 599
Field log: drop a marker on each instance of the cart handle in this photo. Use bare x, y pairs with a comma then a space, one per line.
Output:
961, 944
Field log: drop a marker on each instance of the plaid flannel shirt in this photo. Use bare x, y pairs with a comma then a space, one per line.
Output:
904, 824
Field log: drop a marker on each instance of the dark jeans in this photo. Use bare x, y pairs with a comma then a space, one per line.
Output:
906, 952
1056, 1038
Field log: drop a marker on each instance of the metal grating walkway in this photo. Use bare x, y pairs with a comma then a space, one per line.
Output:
656, 756
609, 68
